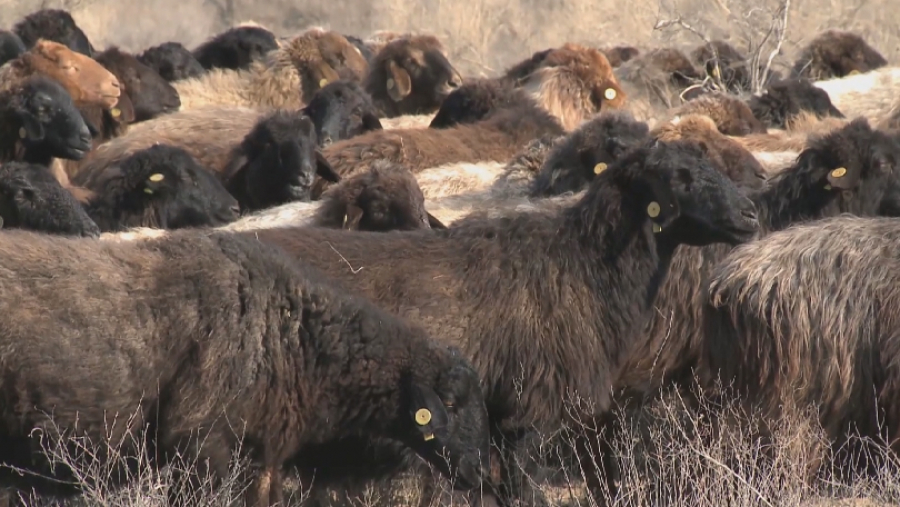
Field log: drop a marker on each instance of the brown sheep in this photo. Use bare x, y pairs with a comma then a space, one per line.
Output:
733, 117
204, 344
726, 154
496, 138
806, 318
655, 79
149, 93
287, 77
515, 291
85, 79
574, 83
836, 53
724, 63
620, 54
411, 75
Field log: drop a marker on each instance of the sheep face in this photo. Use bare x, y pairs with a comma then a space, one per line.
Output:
11, 46
836, 54
162, 187
688, 201
31, 198
84, 79
53, 25
236, 48
278, 162
473, 101
150, 94
341, 110
172, 61
49, 123
411, 76
783, 100
852, 170
448, 426
387, 197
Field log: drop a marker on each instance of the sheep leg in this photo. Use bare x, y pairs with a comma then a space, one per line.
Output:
597, 461
267, 488
514, 486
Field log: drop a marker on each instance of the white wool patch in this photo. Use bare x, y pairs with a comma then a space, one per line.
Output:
456, 178
869, 95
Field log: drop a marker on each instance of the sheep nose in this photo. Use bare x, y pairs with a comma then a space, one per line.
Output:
236, 210
749, 214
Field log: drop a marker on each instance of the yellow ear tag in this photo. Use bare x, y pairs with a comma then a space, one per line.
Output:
115, 112
423, 416
715, 72
390, 83
657, 228
148, 191
599, 168
839, 172
610, 94
429, 436
827, 187
156, 177
653, 209
323, 82
22, 133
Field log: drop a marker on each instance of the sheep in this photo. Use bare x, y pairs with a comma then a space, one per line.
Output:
341, 110
575, 161
149, 93
474, 100
574, 83
782, 101
618, 55
172, 61
726, 154
385, 197
870, 94
410, 75
235, 48
805, 318
363, 48
495, 138
732, 116
11, 46
836, 53
55, 25
671, 345
286, 78
599, 255
255, 338
31, 198
724, 63
84, 79
654, 79
161, 187
39, 121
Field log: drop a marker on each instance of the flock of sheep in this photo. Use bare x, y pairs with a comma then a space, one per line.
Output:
341, 256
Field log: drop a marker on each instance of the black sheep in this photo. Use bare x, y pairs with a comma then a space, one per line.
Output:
235, 48
782, 101
56, 25
836, 53
574, 162
31, 198
475, 100
150, 94
341, 110
277, 162
192, 335
161, 186
172, 61
557, 295
38, 121
11, 46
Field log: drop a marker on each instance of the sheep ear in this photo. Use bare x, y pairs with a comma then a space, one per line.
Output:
324, 169
125, 110
371, 122
434, 223
843, 178
427, 411
352, 217
31, 128
326, 75
399, 84
661, 205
